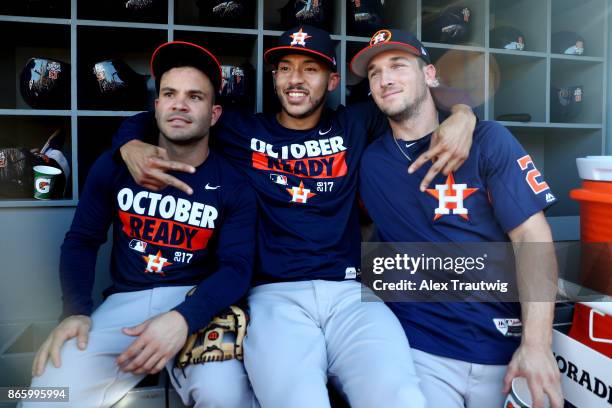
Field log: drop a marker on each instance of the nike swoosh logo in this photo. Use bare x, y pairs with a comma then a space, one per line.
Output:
207, 187
324, 133
410, 144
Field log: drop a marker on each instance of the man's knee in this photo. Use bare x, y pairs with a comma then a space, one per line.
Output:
296, 388
222, 384
69, 370
206, 396
388, 391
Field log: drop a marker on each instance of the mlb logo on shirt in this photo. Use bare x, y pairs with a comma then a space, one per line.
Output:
138, 246
279, 179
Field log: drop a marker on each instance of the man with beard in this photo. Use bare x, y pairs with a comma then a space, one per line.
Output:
164, 245
308, 322
466, 353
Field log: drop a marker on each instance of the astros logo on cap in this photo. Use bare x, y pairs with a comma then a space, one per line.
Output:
300, 38
380, 36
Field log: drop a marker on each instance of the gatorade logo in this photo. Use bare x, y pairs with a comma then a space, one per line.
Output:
597, 386
43, 185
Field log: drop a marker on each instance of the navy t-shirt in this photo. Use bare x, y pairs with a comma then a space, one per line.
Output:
164, 238
502, 190
305, 182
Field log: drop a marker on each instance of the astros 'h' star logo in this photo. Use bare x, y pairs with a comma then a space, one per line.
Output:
156, 263
450, 197
300, 194
299, 38
380, 36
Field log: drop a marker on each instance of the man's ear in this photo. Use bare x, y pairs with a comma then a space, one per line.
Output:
155, 109
333, 81
429, 71
216, 114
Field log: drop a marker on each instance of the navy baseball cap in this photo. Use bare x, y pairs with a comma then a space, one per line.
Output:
180, 53
304, 39
384, 40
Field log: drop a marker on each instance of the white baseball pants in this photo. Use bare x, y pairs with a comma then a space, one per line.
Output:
451, 383
301, 333
96, 381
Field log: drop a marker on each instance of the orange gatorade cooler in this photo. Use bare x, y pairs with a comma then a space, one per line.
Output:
592, 326
595, 199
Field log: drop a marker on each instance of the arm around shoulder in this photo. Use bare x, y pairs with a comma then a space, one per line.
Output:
235, 258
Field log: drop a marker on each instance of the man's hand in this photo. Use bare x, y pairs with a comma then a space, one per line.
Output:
159, 339
537, 364
450, 145
73, 326
148, 165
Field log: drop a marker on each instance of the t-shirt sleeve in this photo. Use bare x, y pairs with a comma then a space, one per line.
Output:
516, 188
136, 127
374, 121
235, 257
88, 231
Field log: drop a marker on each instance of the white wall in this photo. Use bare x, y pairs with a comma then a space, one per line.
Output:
30, 240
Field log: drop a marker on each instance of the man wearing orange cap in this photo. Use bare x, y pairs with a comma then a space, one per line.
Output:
165, 245
466, 352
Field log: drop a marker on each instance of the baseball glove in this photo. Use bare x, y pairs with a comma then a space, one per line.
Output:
219, 341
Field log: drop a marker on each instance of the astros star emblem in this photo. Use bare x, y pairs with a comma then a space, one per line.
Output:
300, 194
450, 196
155, 263
380, 36
299, 38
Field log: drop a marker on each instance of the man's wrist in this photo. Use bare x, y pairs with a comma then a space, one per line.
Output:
178, 316
122, 149
537, 341
461, 108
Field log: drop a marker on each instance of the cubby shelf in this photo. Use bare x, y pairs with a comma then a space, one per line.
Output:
38, 20
120, 24
105, 113
497, 80
34, 112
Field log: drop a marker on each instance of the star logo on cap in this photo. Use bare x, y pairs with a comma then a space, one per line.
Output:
299, 38
380, 36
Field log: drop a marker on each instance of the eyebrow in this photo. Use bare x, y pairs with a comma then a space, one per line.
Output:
393, 59
191, 91
307, 61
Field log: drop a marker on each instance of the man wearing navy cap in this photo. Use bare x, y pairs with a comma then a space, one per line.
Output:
308, 322
466, 354
164, 245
